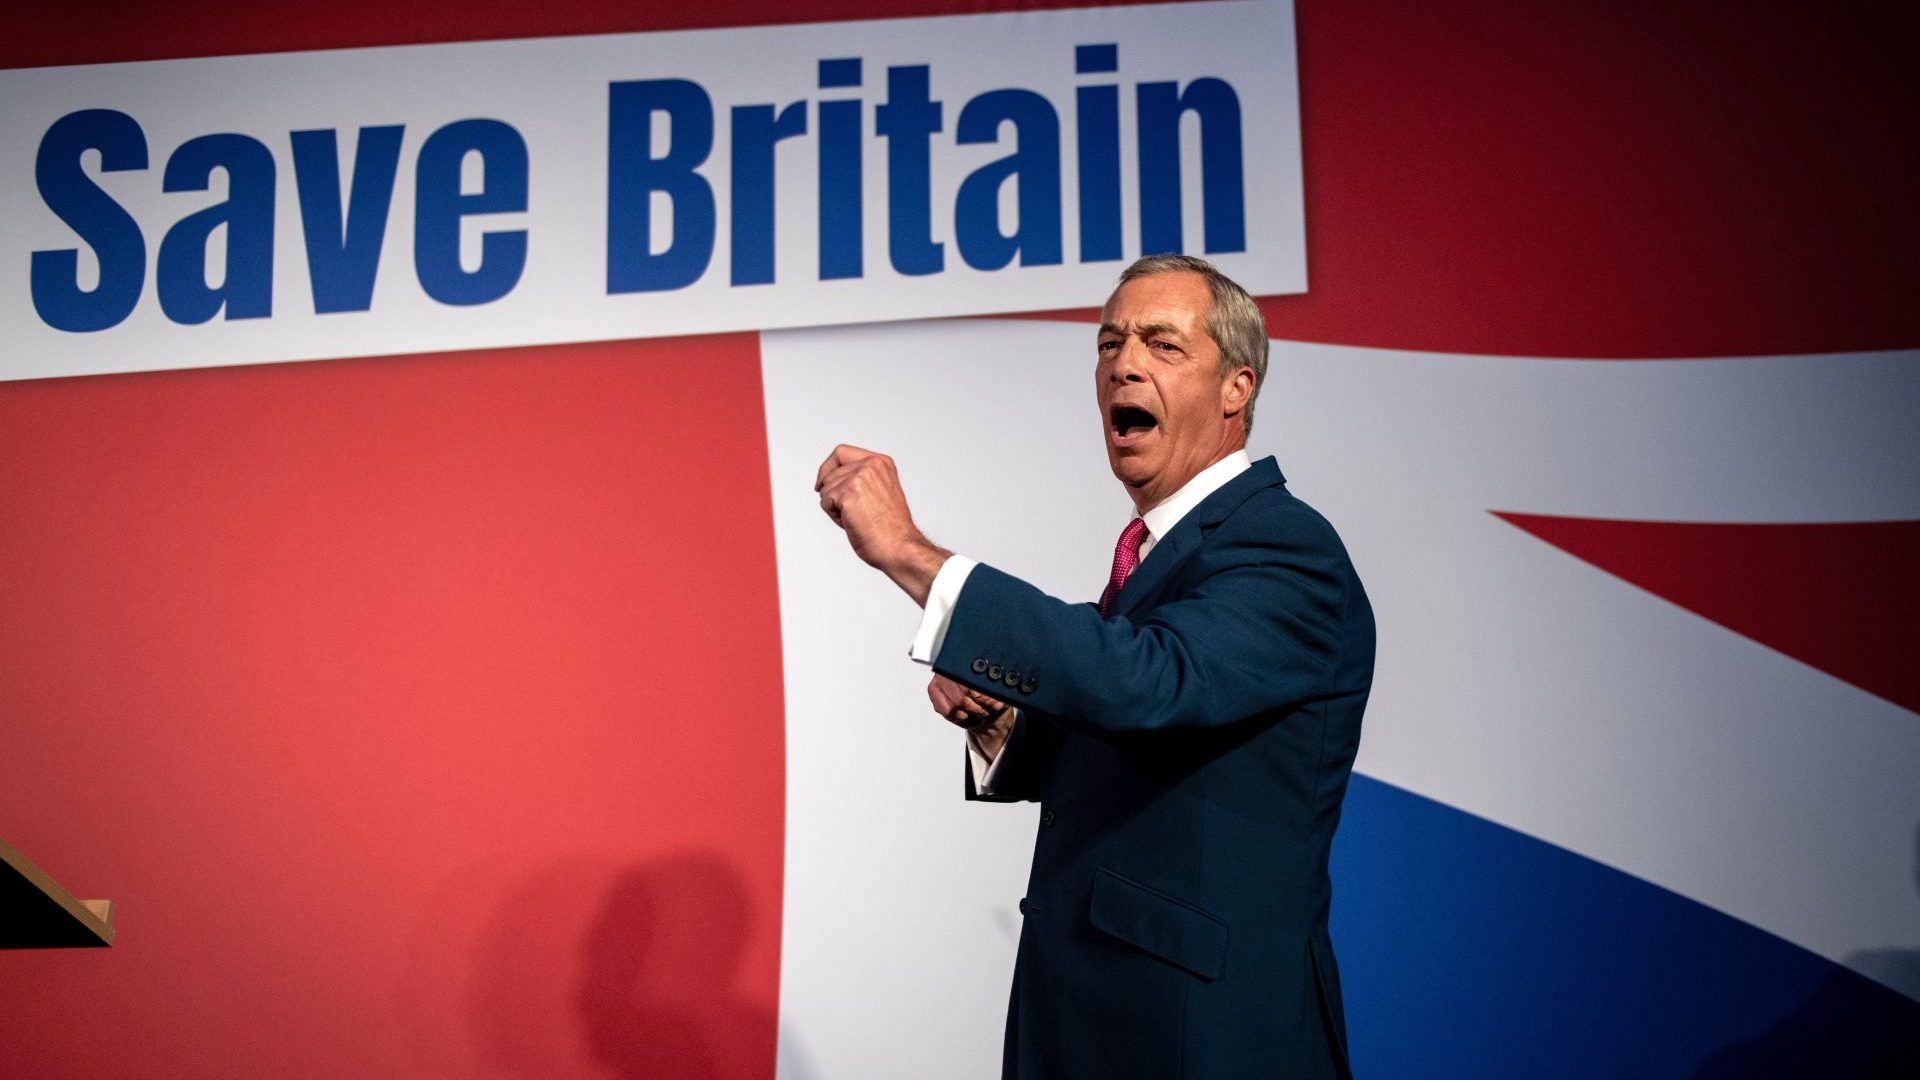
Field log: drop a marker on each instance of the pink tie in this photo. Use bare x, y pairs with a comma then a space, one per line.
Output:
1126, 556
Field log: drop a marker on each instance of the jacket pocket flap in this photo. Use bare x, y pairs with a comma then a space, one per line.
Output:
1177, 932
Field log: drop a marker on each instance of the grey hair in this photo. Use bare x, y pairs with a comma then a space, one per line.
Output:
1233, 321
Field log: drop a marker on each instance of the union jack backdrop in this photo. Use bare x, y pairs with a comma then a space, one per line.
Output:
480, 692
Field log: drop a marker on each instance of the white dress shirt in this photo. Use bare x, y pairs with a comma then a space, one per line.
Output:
945, 591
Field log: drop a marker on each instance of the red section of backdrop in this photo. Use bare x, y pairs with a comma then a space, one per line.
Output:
1837, 596
423, 715
1502, 176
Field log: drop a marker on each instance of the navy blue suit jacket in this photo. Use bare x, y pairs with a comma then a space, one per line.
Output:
1190, 753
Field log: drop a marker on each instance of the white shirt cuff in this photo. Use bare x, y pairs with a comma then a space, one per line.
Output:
941, 596
984, 770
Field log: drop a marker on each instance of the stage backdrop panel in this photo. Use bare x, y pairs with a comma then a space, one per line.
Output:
425, 711
445, 666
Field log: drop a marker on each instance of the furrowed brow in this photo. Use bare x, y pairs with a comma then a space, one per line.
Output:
1143, 329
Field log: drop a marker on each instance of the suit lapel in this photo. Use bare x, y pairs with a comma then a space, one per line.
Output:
1180, 542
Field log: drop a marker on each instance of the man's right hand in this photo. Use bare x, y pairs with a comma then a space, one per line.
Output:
987, 720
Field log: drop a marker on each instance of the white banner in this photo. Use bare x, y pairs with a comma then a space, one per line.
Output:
361, 202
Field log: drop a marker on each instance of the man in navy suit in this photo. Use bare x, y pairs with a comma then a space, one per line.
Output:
1189, 737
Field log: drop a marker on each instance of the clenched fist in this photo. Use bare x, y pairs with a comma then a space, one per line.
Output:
860, 491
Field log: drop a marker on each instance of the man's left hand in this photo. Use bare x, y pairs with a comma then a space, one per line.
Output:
986, 719
860, 490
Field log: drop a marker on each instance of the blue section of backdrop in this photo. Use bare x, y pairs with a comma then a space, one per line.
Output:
1470, 950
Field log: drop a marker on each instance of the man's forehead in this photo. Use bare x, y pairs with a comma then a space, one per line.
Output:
1171, 301
1143, 327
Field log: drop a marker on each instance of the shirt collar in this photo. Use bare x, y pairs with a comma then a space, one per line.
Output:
1164, 516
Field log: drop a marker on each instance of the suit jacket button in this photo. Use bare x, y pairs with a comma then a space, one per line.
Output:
993, 673
979, 665
1029, 684
1012, 679
1023, 905
1046, 817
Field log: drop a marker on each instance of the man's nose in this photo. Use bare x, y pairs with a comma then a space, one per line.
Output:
1127, 365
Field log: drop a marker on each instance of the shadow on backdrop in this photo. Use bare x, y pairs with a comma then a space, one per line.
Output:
1829, 1034
657, 996
586, 969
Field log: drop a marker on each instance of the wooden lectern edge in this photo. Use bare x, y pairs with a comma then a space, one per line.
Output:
101, 910
95, 915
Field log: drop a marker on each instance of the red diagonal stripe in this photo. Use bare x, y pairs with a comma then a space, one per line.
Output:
1840, 597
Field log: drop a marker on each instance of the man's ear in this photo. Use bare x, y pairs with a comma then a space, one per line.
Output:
1236, 392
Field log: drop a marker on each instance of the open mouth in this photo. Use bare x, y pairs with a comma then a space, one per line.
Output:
1130, 422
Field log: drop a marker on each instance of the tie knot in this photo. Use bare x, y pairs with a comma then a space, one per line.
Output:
1126, 555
